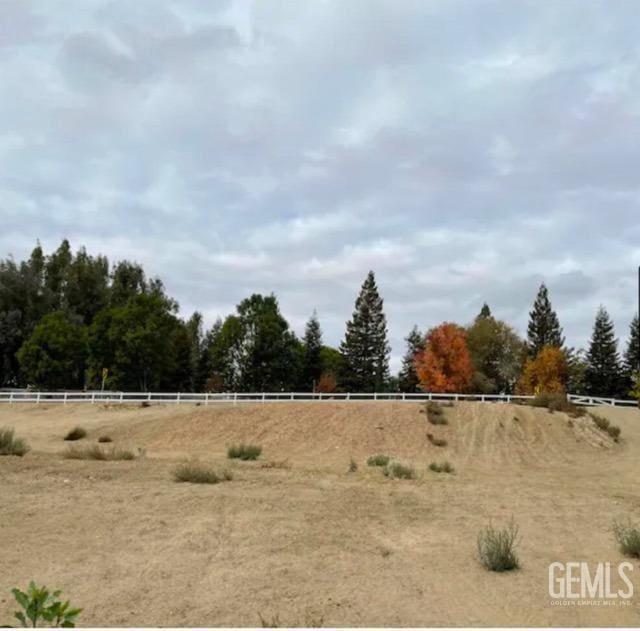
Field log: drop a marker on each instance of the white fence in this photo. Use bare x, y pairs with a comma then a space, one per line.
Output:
210, 398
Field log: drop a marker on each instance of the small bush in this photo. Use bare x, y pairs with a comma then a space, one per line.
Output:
604, 425
628, 538
276, 464
398, 471
145, 404
379, 460
443, 467
95, 452
496, 548
10, 445
40, 605
199, 474
353, 466
76, 434
104, 439
438, 442
435, 413
244, 452
557, 403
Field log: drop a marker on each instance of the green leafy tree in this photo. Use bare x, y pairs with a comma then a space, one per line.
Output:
86, 285
127, 281
497, 354
55, 354
365, 347
544, 328
39, 605
577, 366
408, 379
136, 342
312, 366
255, 349
603, 363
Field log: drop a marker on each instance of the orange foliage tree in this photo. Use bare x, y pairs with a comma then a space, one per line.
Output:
546, 374
445, 364
326, 383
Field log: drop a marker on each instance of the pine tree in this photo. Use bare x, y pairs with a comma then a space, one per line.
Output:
485, 312
632, 352
544, 328
603, 364
365, 346
312, 359
408, 379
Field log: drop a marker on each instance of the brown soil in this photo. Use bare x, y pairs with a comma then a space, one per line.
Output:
311, 544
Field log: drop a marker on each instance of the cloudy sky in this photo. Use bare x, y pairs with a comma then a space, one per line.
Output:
465, 151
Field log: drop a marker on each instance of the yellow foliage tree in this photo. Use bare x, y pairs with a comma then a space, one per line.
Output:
546, 374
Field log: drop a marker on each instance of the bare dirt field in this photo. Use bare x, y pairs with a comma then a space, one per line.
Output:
313, 544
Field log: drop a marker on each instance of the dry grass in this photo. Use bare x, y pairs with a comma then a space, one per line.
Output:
95, 452
442, 467
244, 452
199, 474
379, 460
399, 471
496, 548
437, 442
628, 538
10, 445
606, 426
276, 464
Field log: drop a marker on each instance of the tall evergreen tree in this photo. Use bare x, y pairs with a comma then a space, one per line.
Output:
603, 363
312, 359
408, 379
365, 346
544, 328
485, 312
632, 352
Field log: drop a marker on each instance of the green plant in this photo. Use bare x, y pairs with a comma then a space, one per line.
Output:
379, 460
399, 471
76, 434
40, 605
604, 425
438, 442
557, 403
104, 439
199, 474
496, 547
95, 452
443, 467
244, 452
10, 445
628, 538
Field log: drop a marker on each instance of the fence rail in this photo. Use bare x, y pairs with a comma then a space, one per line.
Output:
211, 398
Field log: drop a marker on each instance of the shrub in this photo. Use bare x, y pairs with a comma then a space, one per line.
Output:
353, 466
443, 467
76, 434
104, 439
276, 464
438, 442
145, 404
435, 413
199, 474
399, 471
604, 425
244, 452
38, 604
95, 452
10, 445
496, 548
379, 460
557, 403
628, 538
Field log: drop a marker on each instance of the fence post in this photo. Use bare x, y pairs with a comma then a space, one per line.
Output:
403, 397
11, 397
38, 397
235, 398
263, 395
121, 397
292, 396
348, 396
93, 398
375, 396
178, 399
206, 399
65, 399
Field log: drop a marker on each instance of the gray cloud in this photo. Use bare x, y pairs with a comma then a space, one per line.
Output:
466, 151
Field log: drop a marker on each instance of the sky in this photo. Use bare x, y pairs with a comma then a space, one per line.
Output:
464, 151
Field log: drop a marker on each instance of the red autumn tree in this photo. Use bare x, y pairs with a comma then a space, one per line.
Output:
546, 374
445, 364
327, 383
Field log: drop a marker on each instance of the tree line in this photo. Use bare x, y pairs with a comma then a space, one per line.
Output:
74, 321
